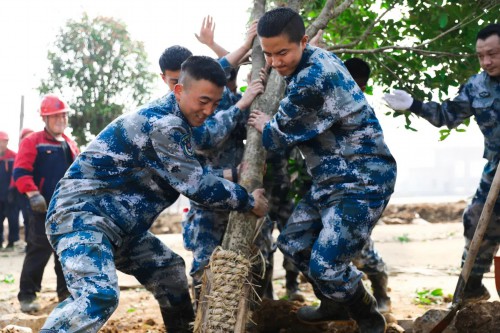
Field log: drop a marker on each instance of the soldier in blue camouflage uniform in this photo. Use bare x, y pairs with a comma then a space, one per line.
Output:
479, 97
326, 115
101, 211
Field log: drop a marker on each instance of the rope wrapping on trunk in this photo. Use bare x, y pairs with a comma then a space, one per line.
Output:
230, 273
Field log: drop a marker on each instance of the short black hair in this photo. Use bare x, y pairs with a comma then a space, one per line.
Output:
359, 69
282, 20
202, 68
172, 58
489, 30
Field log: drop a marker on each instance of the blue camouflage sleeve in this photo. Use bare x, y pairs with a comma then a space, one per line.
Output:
450, 113
172, 143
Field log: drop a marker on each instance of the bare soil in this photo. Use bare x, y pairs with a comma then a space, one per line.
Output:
139, 312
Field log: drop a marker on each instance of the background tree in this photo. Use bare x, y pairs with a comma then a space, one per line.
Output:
99, 70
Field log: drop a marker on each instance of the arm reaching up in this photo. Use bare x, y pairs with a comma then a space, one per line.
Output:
206, 36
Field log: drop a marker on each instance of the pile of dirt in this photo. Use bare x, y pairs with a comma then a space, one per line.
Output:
430, 212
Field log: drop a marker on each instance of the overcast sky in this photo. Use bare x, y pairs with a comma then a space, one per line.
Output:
28, 28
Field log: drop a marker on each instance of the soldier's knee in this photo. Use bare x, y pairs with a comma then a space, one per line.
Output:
108, 298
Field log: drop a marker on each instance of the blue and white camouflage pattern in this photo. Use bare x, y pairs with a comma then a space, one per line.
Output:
479, 97
326, 115
322, 242
99, 216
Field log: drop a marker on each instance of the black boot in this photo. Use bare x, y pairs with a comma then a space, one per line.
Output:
328, 310
292, 287
178, 319
379, 286
475, 290
363, 309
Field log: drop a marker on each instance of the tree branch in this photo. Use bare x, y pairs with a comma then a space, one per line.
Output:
459, 25
329, 12
368, 30
347, 48
404, 48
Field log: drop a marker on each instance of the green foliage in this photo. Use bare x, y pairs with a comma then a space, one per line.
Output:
419, 45
8, 278
99, 70
403, 239
428, 297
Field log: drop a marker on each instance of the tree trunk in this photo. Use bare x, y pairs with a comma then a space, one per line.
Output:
232, 315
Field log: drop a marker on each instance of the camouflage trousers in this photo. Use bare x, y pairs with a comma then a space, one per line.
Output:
323, 242
203, 230
369, 260
89, 262
491, 239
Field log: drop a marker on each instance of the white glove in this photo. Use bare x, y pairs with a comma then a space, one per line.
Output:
399, 100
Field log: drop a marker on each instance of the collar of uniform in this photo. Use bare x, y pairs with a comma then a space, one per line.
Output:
50, 137
303, 63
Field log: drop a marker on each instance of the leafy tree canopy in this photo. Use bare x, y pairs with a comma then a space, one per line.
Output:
416, 45
99, 70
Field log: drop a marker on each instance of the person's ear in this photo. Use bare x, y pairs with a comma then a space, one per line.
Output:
178, 89
163, 77
303, 41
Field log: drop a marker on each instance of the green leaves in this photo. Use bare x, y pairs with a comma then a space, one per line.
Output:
99, 70
8, 278
421, 46
428, 296
443, 20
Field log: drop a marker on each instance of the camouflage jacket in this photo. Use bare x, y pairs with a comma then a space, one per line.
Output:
132, 171
326, 115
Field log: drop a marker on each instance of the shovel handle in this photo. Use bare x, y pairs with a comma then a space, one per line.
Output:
482, 225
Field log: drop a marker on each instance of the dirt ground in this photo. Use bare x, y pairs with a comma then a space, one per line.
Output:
421, 244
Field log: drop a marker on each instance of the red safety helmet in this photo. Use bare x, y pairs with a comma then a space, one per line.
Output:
4, 135
52, 104
25, 132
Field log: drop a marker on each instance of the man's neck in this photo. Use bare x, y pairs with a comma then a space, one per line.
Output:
58, 137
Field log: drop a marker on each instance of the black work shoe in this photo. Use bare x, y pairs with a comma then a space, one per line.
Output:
30, 306
178, 319
475, 295
474, 290
295, 295
363, 309
327, 311
292, 287
379, 286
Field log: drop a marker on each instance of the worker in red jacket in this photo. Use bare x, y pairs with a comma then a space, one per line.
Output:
7, 157
41, 162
